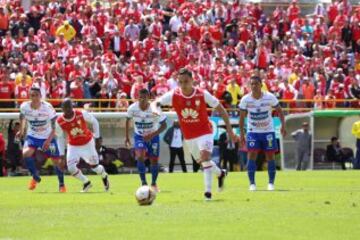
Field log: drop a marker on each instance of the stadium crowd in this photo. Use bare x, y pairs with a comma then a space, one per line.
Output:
111, 49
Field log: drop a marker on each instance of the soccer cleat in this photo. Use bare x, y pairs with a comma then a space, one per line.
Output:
221, 180
62, 189
155, 188
252, 187
106, 183
271, 187
86, 187
32, 184
207, 196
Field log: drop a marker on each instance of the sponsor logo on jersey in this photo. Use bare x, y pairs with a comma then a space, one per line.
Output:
265, 105
37, 123
262, 124
144, 125
259, 115
76, 132
189, 113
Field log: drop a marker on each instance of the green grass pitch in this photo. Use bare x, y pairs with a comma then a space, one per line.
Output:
306, 205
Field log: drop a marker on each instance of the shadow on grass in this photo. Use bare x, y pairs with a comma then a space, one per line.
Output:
204, 201
165, 191
79, 193
277, 190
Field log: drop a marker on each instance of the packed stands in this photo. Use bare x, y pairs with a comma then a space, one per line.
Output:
97, 50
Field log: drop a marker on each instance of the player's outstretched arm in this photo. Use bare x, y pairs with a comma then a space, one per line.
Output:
20, 134
241, 126
89, 118
60, 138
127, 127
164, 100
51, 136
225, 116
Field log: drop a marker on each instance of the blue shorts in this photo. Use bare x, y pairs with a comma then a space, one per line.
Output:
36, 143
261, 142
152, 147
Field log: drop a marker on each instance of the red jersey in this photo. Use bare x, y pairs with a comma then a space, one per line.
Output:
22, 93
6, 90
191, 111
78, 133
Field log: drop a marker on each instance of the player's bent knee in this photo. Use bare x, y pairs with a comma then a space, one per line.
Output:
28, 152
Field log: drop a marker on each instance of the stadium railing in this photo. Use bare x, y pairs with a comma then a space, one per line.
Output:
300, 104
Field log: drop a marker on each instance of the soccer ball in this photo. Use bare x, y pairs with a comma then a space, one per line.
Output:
145, 195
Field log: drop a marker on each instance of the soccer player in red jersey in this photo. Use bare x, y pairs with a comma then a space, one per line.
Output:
190, 104
81, 142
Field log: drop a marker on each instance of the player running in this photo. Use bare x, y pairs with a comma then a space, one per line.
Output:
81, 143
146, 136
257, 106
190, 104
40, 117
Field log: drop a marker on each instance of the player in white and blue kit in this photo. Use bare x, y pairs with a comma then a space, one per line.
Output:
147, 127
257, 107
40, 117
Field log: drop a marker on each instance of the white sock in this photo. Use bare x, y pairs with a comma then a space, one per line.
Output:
215, 168
79, 175
207, 169
208, 179
99, 169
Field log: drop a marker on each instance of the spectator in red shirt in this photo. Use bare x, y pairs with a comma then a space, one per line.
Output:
6, 92
293, 11
122, 102
329, 99
288, 93
332, 11
4, 22
56, 91
219, 88
77, 90
137, 86
160, 88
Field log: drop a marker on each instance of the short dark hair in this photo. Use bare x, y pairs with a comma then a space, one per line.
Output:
256, 78
144, 91
334, 139
185, 71
35, 89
